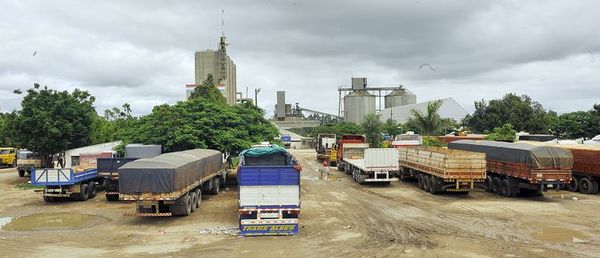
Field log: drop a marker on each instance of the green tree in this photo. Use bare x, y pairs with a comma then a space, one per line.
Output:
392, 128
113, 125
506, 133
577, 124
373, 127
338, 129
202, 123
209, 91
521, 112
430, 123
53, 121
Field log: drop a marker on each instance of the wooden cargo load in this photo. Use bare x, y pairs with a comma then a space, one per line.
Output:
444, 163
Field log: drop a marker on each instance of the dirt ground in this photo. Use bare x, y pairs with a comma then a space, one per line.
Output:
339, 218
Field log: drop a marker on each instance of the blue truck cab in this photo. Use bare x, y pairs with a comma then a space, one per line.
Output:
269, 196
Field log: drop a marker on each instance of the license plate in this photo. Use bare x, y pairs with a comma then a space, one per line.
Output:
550, 186
269, 215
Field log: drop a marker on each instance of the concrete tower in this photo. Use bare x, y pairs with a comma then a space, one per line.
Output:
221, 67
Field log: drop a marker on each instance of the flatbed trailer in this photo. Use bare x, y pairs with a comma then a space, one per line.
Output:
108, 172
370, 165
65, 183
586, 166
172, 183
438, 169
514, 168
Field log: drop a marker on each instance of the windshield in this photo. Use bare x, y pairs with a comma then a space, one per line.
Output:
26, 155
4, 151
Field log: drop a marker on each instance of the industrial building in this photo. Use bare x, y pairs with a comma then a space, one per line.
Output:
449, 109
286, 117
362, 100
222, 69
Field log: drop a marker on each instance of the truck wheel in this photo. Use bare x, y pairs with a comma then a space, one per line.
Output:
513, 187
193, 201
594, 186
188, 205
198, 198
92, 190
585, 185
112, 197
21, 173
496, 185
420, 181
426, 183
433, 185
48, 199
573, 186
83, 192
504, 191
488, 184
14, 164
216, 186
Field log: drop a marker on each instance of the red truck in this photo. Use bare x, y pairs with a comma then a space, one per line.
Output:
344, 139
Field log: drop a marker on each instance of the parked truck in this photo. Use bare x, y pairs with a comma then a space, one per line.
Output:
65, 183
108, 168
269, 196
325, 147
8, 156
27, 161
438, 169
586, 166
370, 165
514, 168
172, 183
344, 140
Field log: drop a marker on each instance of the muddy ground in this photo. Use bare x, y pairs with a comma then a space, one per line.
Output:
339, 218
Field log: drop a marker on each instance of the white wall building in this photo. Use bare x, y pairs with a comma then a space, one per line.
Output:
72, 155
449, 109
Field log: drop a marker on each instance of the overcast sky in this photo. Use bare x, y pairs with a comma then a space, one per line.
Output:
142, 52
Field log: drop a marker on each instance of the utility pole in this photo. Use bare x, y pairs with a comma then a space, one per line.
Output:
256, 91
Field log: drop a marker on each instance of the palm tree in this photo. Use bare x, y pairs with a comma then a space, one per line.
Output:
373, 126
430, 123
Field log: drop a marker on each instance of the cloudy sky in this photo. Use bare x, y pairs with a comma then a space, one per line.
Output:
142, 52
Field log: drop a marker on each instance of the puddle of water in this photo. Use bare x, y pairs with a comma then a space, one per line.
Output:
51, 221
558, 235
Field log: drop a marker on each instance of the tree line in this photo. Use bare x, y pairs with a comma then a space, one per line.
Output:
52, 121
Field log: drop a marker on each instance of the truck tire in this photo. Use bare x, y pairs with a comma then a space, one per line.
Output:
83, 192
48, 199
21, 173
573, 186
496, 182
111, 197
92, 190
14, 164
188, 205
594, 186
420, 180
488, 184
198, 197
193, 201
216, 186
434, 187
585, 185
504, 191
426, 183
513, 187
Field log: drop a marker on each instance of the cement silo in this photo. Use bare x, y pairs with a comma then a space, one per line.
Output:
399, 97
357, 104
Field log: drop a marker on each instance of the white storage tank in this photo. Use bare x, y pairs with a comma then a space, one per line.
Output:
357, 104
399, 97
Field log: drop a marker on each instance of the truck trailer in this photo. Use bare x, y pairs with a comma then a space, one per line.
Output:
172, 183
108, 172
514, 168
65, 183
344, 140
269, 197
370, 165
586, 166
438, 169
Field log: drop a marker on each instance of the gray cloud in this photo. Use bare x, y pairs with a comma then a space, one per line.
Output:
142, 53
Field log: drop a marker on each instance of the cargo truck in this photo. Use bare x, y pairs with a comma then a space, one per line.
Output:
514, 168
370, 165
438, 169
172, 183
65, 183
344, 140
325, 147
586, 166
8, 156
269, 196
27, 161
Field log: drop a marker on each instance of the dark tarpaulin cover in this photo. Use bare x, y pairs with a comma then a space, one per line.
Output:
536, 157
266, 156
168, 172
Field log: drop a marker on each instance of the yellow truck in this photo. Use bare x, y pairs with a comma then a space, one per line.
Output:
8, 156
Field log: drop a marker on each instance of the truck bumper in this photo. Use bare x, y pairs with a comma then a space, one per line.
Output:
148, 214
268, 227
